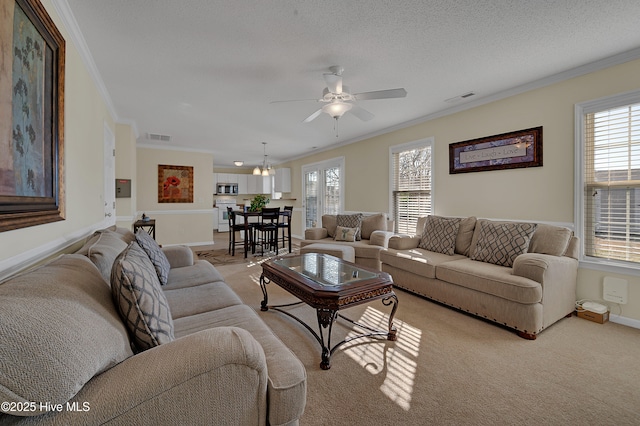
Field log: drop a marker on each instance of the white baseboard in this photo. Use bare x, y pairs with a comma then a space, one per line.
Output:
630, 322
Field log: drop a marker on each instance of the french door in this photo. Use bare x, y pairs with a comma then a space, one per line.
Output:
322, 191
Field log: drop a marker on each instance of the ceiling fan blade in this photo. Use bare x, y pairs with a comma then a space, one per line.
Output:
334, 82
361, 113
313, 116
295, 100
381, 94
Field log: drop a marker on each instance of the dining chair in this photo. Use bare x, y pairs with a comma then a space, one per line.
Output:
233, 229
267, 229
285, 225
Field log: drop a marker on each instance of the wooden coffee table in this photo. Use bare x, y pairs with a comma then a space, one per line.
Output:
329, 284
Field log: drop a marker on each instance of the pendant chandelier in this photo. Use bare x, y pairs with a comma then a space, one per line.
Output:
266, 168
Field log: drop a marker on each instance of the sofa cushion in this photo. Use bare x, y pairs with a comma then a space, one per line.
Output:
440, 234
465, 235
329, 222
549, 239
59, 328
491, 279
418, 261
345, 234
140, 299
156, 255
201, 272
202, 298
371, 223
104, 250
350, 221
501, 242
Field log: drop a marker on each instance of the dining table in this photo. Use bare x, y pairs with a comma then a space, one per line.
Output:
248, 223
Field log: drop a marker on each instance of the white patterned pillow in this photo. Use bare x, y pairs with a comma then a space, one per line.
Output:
501, 243
140, 299
156, 255
350, 221
439, 234
345, 234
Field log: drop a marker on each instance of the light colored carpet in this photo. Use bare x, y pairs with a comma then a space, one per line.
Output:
449, 368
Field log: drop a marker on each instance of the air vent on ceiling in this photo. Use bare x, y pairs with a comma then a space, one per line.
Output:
460, 97
158, 137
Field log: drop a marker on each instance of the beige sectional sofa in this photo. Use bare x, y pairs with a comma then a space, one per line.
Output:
76, 351
517, 274
374, 229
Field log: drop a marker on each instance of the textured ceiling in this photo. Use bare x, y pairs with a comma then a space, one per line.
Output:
205, 71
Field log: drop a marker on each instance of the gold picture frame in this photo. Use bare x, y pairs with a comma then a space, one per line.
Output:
32, 61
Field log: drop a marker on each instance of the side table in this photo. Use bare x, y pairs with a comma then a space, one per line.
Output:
149, 226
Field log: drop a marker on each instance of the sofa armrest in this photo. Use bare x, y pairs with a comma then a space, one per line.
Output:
404, 242
315, 233
219, 373
381, 238
178, 256
558, 277
543, 267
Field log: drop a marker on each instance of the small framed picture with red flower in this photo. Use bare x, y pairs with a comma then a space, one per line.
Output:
175, 184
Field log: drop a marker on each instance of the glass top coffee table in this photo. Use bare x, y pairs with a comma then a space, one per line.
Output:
329, 284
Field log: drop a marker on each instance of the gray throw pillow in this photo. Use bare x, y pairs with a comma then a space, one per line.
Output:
439, 234
142, 303
350, 221
156, 255
501, 243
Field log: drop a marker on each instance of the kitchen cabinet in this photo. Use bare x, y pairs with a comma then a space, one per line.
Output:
258, 184
243, 184
282, 181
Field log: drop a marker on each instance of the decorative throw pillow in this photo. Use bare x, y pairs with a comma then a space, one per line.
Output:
440, 234
345, 234
501, 243
350, 221
156, 255
140, 299
104, 251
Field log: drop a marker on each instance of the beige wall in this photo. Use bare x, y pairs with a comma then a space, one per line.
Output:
538, 194
85, 118
177, 223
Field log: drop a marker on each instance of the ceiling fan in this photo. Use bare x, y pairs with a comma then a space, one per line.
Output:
338, 99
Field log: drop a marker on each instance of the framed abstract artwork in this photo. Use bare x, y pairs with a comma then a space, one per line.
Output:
32, 58
522, 148
175, 184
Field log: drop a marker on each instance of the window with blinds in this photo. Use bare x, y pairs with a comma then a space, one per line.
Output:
411, 184
611, 170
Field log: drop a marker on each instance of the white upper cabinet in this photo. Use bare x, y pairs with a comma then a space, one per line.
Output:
283, 180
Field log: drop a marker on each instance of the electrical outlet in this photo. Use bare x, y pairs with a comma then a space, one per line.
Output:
615, 290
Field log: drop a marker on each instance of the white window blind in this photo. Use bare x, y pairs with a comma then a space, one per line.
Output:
411, 186
612, 183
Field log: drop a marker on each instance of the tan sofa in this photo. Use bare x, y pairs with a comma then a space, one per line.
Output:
375, 231
529, 295
69, 357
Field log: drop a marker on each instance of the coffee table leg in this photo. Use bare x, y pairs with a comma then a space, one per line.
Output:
326, 318
263, 286
392, 335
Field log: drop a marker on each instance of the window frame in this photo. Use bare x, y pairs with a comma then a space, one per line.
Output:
580, 111
421, 143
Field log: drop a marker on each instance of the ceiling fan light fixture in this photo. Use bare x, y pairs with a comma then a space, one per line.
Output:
336, 109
